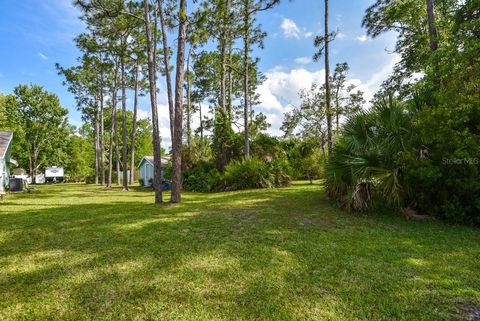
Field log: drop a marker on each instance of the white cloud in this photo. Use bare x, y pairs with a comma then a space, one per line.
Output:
303, 60
281, 88
41, 55
291, 30
279, 92
362, 38
378, 77
143, 114
340, 35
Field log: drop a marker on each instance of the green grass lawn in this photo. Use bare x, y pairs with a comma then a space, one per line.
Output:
79, 252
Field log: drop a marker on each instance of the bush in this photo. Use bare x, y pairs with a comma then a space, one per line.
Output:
446, 183
202, 178
242, 174
141, 181
255, 173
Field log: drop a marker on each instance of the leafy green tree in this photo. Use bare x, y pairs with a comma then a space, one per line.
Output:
80, 158
420, 26
44, 126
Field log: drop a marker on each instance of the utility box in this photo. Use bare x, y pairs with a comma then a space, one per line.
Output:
15, 185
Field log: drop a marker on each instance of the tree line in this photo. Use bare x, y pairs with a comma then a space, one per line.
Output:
126, 51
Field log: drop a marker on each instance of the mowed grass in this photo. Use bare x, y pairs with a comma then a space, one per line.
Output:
79, 252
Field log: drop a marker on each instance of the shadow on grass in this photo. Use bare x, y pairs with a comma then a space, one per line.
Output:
270, 254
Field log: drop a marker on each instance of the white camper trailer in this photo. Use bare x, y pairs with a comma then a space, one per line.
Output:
54, 174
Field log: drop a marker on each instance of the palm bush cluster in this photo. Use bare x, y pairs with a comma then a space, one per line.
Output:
245, 173
371, 156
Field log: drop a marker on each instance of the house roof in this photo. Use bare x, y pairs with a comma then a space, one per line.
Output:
5, 139
164, 160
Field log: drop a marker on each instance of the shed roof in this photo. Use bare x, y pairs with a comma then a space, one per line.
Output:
5, 139
164, 160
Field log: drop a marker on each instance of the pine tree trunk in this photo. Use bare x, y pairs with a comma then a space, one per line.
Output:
124, 128
189, 106
327, 82
157, 170
102, 135
177, 142
117, 152
201, 122
112, 128
134, 126
432, 30
96, 142
166, 65
246, 50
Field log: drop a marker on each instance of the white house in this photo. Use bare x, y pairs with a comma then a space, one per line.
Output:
146, 169
5, 151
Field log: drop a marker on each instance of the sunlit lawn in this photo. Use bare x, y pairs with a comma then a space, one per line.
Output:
79, 252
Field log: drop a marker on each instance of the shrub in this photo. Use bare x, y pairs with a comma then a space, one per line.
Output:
241, 174
255, 173
446, 183
141, 181
202, 178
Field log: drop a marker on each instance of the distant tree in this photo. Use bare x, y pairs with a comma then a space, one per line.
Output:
323, 43
44, 126
2, 111
309, 119
346, 99
80, 157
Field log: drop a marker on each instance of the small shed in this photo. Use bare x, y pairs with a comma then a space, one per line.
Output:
5, 151
146, 169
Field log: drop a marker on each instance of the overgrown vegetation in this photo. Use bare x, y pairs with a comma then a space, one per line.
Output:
419, 151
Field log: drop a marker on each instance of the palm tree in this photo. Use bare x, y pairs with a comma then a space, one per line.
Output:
370, 156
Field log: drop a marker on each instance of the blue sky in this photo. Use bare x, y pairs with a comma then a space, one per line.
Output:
36, 34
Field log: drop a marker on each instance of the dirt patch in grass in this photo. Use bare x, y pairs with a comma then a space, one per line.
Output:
468, 311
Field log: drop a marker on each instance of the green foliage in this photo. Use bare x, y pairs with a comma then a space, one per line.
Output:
40, 128
80, 158
306, 159
240, 174
248, 173
372, 150
204, 177
255, 173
